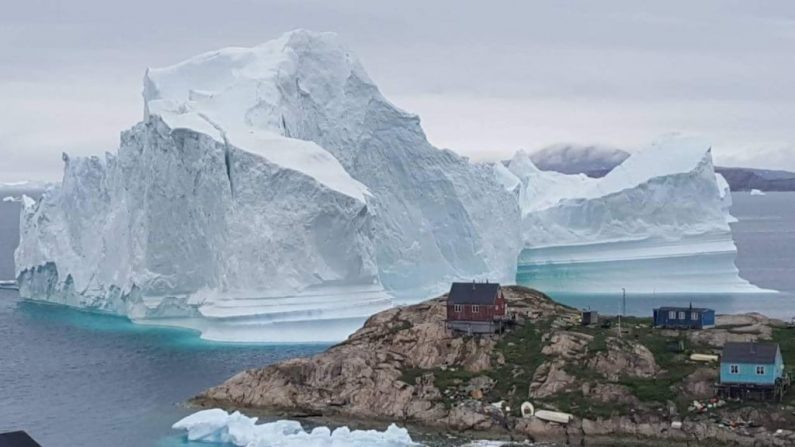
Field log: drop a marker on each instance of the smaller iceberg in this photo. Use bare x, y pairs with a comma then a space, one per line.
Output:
757, 192
219, 427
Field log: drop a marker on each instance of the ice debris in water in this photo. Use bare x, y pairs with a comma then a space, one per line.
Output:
218, 426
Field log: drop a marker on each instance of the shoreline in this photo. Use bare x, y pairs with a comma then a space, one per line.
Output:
435, 434
405, 366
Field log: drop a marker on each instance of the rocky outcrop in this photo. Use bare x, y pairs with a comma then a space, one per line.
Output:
624, 358
550, 378
699, 384
610, 393
736, 328
365, 374
567, 345
405, 365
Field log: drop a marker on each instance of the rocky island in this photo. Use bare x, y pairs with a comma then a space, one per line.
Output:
639, 386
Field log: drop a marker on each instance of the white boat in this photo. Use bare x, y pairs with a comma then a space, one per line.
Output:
704, 357
545, 415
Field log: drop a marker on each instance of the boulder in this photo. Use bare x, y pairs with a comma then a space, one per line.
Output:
624, 358
567, 345
550, 378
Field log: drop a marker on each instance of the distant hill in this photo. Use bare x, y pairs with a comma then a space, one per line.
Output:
593, 160
746, 179
597, 161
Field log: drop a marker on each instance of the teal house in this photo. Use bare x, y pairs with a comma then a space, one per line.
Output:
752, 370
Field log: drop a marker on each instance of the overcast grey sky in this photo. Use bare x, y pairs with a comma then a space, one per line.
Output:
486, 78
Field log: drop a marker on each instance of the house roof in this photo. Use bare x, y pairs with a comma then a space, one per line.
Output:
746, 352
473, 293
683, 308
17, 439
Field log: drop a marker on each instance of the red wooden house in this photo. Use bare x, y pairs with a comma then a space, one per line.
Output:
476, 307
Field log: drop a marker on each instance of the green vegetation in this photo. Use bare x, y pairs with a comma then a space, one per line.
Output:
785, 337
670, 352
521, 351
518, 354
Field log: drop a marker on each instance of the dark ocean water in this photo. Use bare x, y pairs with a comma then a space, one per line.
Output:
76, 379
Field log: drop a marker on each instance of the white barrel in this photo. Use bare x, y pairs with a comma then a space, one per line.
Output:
527, 409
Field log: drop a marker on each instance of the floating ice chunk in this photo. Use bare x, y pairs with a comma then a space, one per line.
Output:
218, 426
757, 192
27, 201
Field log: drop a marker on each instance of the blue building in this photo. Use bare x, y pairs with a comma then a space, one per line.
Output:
684, 317
752, 370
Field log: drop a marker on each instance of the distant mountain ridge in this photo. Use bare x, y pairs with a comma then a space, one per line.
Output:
592, 160
746, 179
596, 161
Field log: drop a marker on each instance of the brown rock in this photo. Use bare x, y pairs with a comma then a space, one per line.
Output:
610, 393
699, 384
469, 415
567, 344
550, 378
624, 358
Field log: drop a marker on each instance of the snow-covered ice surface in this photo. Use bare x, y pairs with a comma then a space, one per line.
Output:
219, 427
265, 186
659, 222
273, 189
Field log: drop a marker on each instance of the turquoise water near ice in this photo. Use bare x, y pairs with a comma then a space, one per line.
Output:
76, 379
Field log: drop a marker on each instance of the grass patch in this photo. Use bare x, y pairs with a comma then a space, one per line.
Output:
785, 337
521, 349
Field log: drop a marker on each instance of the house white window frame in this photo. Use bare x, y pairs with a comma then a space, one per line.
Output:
694, 316
457, 308
734, 368
672, 315
475, 309
760, 370
681, 315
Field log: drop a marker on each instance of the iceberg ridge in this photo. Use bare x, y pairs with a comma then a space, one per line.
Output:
274, 187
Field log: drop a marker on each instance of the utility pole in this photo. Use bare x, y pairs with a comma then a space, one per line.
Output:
623, 301
622, 309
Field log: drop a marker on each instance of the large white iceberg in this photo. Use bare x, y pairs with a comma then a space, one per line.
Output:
659, 222
266, 188
216, 426
273, 194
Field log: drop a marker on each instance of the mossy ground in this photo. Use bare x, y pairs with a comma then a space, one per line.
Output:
521, 346
785, 337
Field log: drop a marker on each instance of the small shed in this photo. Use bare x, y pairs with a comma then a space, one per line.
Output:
750, 369
476, 307
17, 439
684, 317
589, 317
